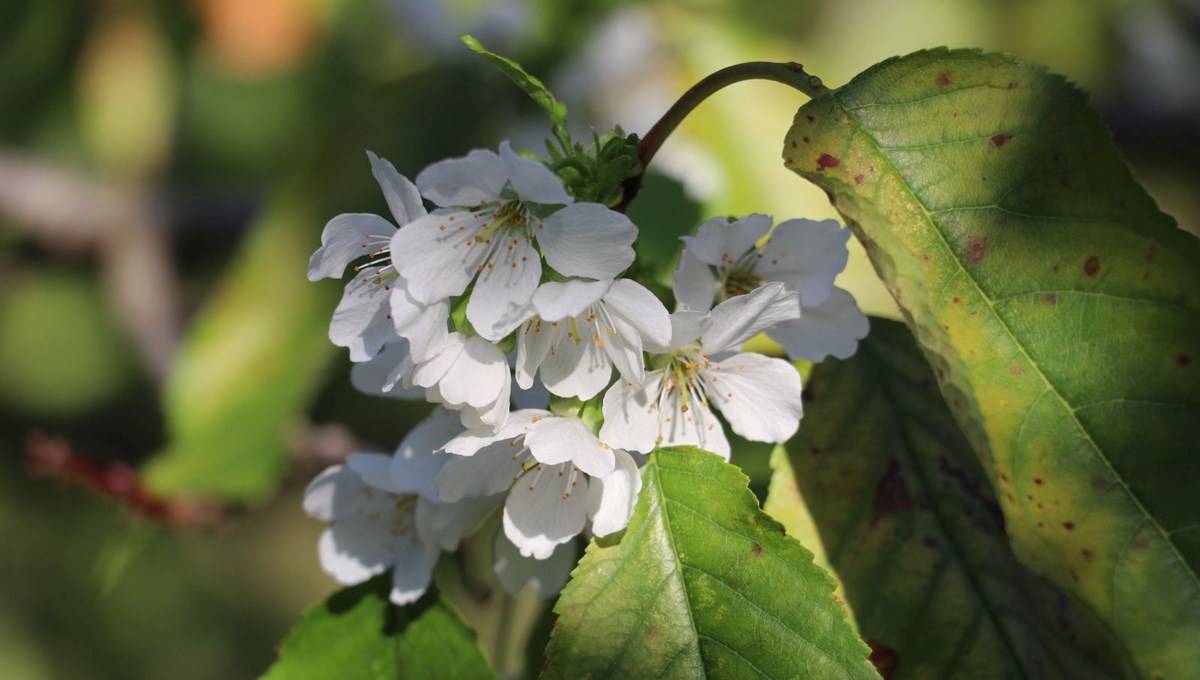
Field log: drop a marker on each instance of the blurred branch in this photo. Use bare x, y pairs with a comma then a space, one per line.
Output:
56, 457
68, 212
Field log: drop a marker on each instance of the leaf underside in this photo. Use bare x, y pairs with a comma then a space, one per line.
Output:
701, 584
1059, 307
357, 634
913, 531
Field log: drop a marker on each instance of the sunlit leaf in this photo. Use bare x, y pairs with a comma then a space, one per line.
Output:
913, 531
1060, 308
702, 584
248, 368
357, 634
530, 85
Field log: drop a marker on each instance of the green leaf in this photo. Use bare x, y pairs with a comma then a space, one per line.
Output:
913, 531
1060, 308
249, 366
530, 86
702, 584
357, 634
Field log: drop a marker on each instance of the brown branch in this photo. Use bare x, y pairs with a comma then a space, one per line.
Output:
56, 457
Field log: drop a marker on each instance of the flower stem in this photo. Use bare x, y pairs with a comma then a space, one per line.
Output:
502, 652
789, 73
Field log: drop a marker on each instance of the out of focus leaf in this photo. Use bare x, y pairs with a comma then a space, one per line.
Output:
702, 584
60, 350
530, 85
127, 98
249, 366
663, 212
908, 520
1060, 308
357, 634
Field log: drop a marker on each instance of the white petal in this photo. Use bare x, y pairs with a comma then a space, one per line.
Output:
807, 256
477, 377
490, 471
424, 326
362, 544
541, 515
342, 242
631, 414
544, 577
413, 571
500, 300
740, 318
577, 367
374, 469
719, 241
534, 341
455, 521
694, 283
533, 181
634, 303
832, 328
438, 256
697, 426
555, 301
588, 239
558, 440
429, 372
519, 422
379, 376
360, 321
414, 465
402, 196
331, 493
477, 178
612, 498
759, 396
492, 416
623, 346
686, 327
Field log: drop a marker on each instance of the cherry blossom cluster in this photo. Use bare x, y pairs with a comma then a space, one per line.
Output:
553, 374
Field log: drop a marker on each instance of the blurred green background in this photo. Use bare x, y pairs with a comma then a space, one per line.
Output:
166, 168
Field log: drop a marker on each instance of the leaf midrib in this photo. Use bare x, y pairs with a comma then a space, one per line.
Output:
880, 150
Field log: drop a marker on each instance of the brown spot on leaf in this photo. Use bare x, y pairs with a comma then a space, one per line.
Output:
931, 543
1016, 369
1012, 84
756, 548
1100, 484
1074, 576
858, 179
1183, 360
943, 79
975, 250
1141, 543
1087, 554
1145, 276
1068, 525
1092, 266
1038, 481
810, 119
1151, 251
999, 140
891, 494
826, 161
805, 138
883, 658
816, 450
956, 299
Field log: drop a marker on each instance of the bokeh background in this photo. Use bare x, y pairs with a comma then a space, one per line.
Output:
166, 386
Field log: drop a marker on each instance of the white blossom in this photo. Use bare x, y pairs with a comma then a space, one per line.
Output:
496, 215
385, 514
361, 321
702, 367
583, 329
723, 260
557, 476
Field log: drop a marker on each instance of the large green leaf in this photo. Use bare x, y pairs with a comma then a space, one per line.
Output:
1059, 308
913, 531
249, 366
702, 584
357, 634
